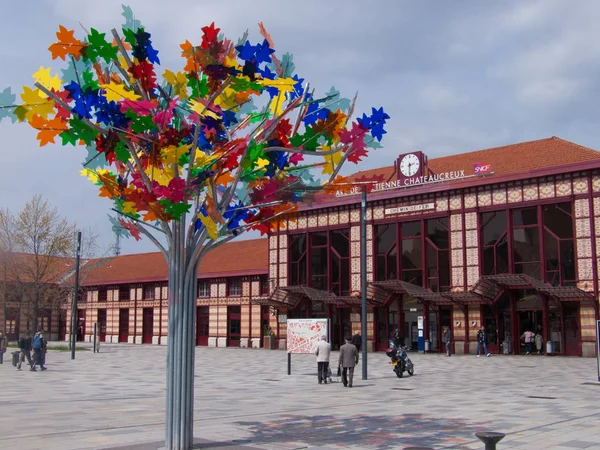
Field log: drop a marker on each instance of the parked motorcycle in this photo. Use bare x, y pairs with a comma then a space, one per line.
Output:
400, 360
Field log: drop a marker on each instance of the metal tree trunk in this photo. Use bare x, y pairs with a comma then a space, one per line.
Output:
179, 432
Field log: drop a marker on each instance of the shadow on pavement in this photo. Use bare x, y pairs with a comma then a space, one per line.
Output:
383, 432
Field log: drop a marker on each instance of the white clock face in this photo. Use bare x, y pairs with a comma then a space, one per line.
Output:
409, 165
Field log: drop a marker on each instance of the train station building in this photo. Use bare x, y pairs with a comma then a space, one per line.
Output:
505, 238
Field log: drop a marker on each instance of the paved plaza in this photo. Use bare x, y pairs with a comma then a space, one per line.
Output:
245, 399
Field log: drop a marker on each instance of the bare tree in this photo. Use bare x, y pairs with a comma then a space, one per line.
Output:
37, 258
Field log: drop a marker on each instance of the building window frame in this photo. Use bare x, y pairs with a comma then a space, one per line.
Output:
203, 288
234, 287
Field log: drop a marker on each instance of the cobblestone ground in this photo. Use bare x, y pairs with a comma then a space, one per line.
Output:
245, 399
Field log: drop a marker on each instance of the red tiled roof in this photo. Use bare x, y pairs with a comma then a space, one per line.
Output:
231, 259
518, 158
40, 269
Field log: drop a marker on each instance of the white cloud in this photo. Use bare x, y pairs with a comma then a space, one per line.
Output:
437, 97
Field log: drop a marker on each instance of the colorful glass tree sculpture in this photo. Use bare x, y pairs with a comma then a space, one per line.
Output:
199, 154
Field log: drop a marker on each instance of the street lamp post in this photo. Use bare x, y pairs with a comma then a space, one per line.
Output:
75, 295
363, 277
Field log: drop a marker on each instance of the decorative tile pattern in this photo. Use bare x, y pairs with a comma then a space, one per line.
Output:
333, 218
456, 239
470, 200
471, 221
596, 183
273, 242
499, 197
441, 204
283, 254
547, 190
369, 277
283, 225
355, 215
584, 269
282, 270
355, 265
369, 247
283, 241
471, 237
222, 289
455, 202
293, 224
472, 276
369, 264
355, 249
456, 222
344, 217
563, 187
584, 248
302, 222
355, 282
378, 212
484, 198
457, 277
582, 228
580, 185
312, 221
515, 194
355, 233
472, 257
369, 232
530, 193
457, 258
582, 208
322, 220
597, 206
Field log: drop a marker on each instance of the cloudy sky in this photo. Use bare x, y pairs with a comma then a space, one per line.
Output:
453, 76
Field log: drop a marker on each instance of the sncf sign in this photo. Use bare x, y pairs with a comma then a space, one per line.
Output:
480, 169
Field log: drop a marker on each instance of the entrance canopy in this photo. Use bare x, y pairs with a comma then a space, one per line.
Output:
289, 297
491, 287
380, 291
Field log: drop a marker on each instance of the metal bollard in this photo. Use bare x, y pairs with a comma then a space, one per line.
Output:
490, 439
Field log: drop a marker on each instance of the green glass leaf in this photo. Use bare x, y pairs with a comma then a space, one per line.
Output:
121, 152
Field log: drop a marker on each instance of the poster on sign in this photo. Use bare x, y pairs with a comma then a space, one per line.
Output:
303, 335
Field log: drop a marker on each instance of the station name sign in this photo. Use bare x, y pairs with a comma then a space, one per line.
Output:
409, 208
479, 170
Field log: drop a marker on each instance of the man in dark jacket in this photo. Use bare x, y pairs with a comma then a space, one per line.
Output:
348, 359
39, 350
25, 347
357, 341
447, 340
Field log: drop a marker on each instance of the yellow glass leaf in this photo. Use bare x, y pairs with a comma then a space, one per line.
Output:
276, 105
43, 77
283, 84
129, 208
203, 110
331, 161
172, 153
90, 174
36, 103
202, 159
261, 163
211, 226
162, 177
116, 92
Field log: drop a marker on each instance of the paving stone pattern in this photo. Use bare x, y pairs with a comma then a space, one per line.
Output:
246, 400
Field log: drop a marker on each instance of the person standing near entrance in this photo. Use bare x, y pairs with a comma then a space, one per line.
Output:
529, 338
447, 340
481, 341
348, 360
3, 345
323, 351
539, 340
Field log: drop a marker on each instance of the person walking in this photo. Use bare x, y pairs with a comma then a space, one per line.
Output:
481, 342
25, 347
529, 337
447, 340
323, 352
348, 359
357, 341
398, 339
39, 350
3, 345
